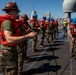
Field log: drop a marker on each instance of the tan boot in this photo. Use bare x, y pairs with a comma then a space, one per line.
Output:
42, 46
72, 55
26, 61
19, 73
34, 50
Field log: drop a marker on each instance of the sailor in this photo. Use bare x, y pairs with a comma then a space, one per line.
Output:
24, 18
42, 30
72, 34
34, 26
11, 38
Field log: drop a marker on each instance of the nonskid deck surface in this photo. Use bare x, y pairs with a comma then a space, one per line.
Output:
50, 60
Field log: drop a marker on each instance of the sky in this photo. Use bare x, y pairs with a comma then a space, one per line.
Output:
40, 6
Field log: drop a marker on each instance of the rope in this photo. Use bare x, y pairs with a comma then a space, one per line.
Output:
67, 64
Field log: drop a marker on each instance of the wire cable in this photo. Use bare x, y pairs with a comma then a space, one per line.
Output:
67, 64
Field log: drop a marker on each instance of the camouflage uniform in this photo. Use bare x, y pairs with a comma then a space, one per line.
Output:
20, 60
52, 32
56, 29
47, 29
72, 47
42, 34
20, 49
34, 40
10, 55
24, 18
72, 43
27, 30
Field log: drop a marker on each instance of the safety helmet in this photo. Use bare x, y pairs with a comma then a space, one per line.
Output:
51, 19
11, 6
74, 21
25, 17
44, 17
48, 19
34, 15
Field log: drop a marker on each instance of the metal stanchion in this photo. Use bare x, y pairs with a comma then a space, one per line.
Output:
68, 16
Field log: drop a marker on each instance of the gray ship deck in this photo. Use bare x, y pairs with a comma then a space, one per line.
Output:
50, 60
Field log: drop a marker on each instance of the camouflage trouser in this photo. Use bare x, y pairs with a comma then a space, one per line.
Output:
50, 36
10, 62
47, 35
72, 47
25, 49
34, 42
42, 38
55, 33
20, 60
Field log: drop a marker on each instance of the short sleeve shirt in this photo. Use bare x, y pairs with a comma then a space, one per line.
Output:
7, 25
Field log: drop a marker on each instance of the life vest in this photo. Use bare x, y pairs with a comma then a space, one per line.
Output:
64, 24
26, 26
35, 21
47, 25
21, 26
73, 29
56, 23
16, 28
43, 23
52, 25
0, 38
22, 22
